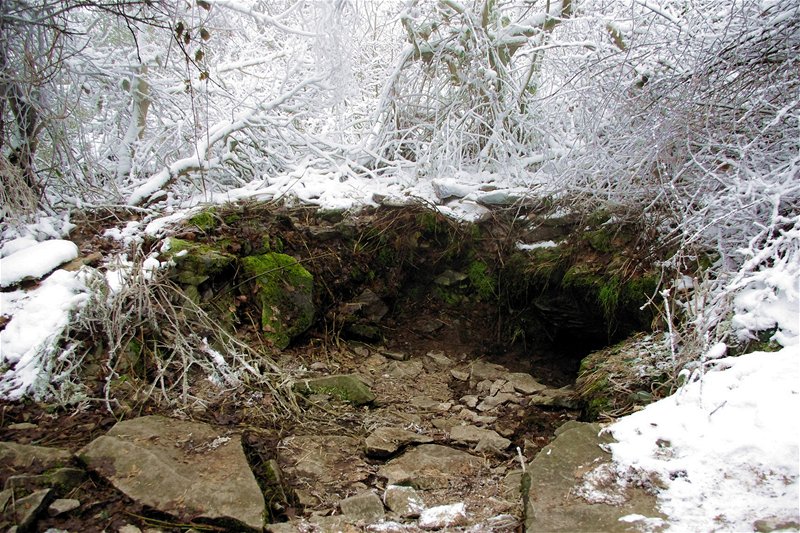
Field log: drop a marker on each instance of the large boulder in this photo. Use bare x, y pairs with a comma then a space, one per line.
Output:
284, 291
187, 469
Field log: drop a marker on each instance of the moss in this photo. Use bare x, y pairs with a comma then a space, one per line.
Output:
285, 292
429, 222
601, 216
600, 240
195, 263
447, 296
205, 220
608, 296
346, 387
481, 280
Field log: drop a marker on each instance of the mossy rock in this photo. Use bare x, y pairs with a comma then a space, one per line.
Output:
345, 387
194, 262
285, 294
617, 380
205, 220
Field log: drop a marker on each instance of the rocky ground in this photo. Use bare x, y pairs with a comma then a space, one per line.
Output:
391, 441
435, 422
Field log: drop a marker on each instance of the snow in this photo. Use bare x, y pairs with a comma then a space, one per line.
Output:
29, 339
725, 445
35, 261
536, 245
442, 516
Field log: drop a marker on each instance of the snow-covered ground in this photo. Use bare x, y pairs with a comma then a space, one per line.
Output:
724, 447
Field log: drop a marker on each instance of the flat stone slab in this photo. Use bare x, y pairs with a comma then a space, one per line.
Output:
384, 442
179, 467
430, 466
572, 487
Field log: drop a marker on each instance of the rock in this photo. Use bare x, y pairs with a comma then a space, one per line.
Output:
129, 528
459, 375
32, 459
470, 401
332, 524
346, 387
767, 525
563, 397
285, 295
404, 369
481, 370
475, 418
498, 198
390, 527
195, 263
497, 400
5, 497
446, 188
556, 490
430, 466
362, 315
488, 439
445, 424
524, 383
62, 506
22, 426
28, 509
497, 386
428, 404
443, 516
403, 501
367, 306
434, 361
327, 463
63, 479
448, 278
427, 325
366, 506
385, 441
397, 356
179, 467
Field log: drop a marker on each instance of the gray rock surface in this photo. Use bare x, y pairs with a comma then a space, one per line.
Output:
179, 467
556, 496
27, 509
481, 370
63, 479
366, 507
524, 383
385, 441
32, 459
403, 501
563, 397
430, 466
489, 439
63, 505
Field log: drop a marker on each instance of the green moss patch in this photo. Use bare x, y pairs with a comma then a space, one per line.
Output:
195, 263
285, 294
